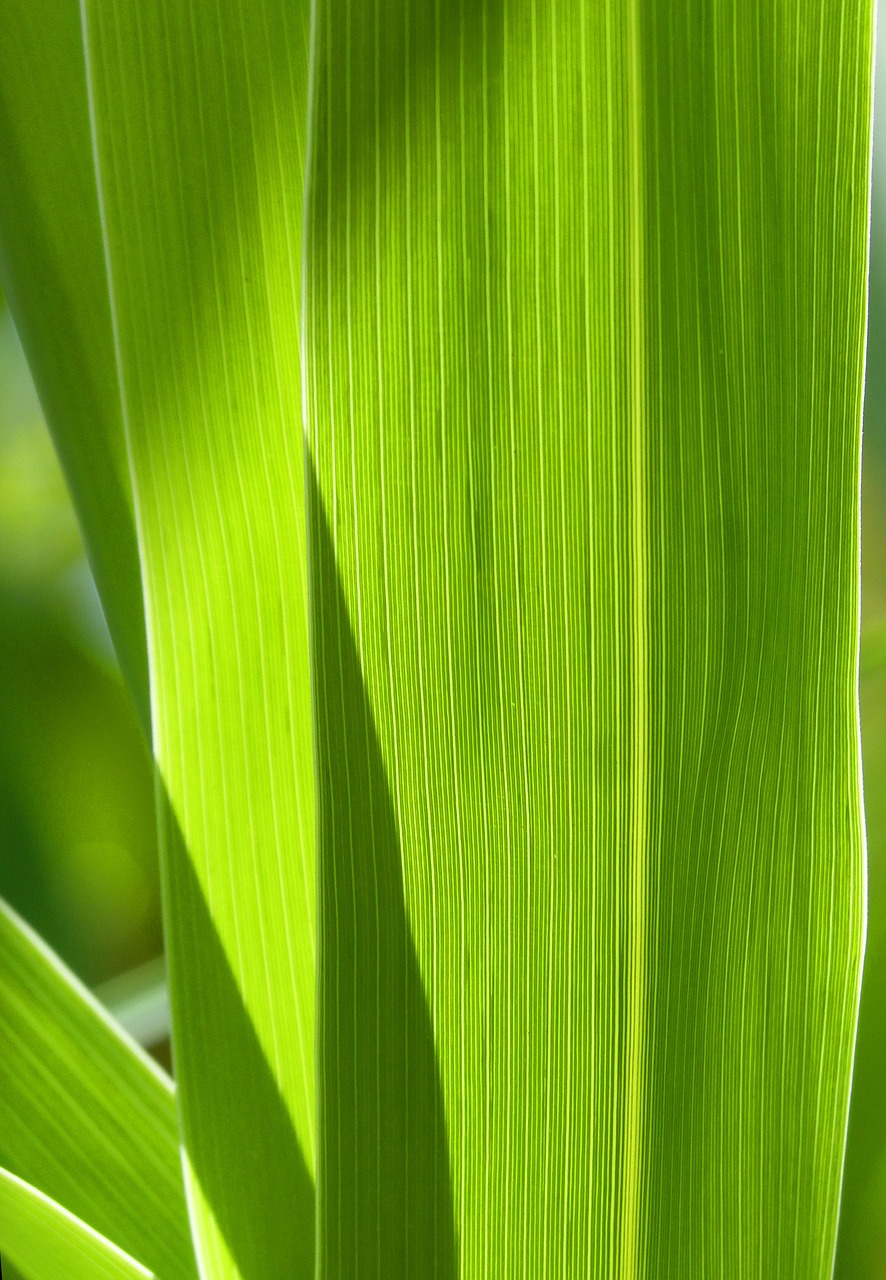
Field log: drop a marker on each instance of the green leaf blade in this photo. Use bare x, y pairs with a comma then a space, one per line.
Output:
53, 273
45, 1241
199, 136
584, 338
85, 1116
764, 210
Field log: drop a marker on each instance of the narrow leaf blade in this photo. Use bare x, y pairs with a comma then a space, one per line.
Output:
45, 1241
85, 1116
53, 273
199, 138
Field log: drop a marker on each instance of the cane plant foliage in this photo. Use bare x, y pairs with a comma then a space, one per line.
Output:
462, 402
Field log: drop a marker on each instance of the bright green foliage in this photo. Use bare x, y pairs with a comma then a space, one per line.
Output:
52, 269
85, 1116
581, 320
46, 1241
585, 315
199, 127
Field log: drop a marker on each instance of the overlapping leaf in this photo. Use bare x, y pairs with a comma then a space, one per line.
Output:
85, 1116
585, 312
53, 271
583, 333
199, 122
46, 1242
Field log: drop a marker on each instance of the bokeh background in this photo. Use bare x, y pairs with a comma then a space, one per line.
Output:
78, 852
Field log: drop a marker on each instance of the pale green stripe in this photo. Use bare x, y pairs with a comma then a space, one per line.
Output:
47, 1242
85, 1115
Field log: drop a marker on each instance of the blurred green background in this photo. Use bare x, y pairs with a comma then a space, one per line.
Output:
77, 843
77, 847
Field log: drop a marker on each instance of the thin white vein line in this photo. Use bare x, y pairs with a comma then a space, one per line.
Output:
484, 797
447, 592
859, 773
592, 709
360, 647
354, 515
71, 1219
416, 584
541, 443
410, 392
385, 577
484, 792
836, 1154
339, 1002
613, 1008
309, 585
316, 595
506, 846
630, 1243
567, 649
510, 414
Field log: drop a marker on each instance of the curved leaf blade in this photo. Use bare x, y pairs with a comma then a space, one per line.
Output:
52, 270
85, 1115
45, 1241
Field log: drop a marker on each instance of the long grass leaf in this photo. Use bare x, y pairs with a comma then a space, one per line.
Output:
85, 1116
585, 291
52, 270
47, 1242
199, 129
862, 1238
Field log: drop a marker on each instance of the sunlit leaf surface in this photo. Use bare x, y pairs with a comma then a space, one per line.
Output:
585, 308
85, 1116
46, 1242
199, 124
582, 332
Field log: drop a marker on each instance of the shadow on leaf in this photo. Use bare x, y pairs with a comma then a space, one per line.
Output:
386, 1195
237, 1130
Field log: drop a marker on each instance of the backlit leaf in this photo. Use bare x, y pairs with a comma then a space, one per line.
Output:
584, 339
52, 269
85, 1116
199, 124
46, 1242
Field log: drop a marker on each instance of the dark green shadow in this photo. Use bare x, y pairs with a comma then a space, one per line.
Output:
237, 1130
385, 1189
